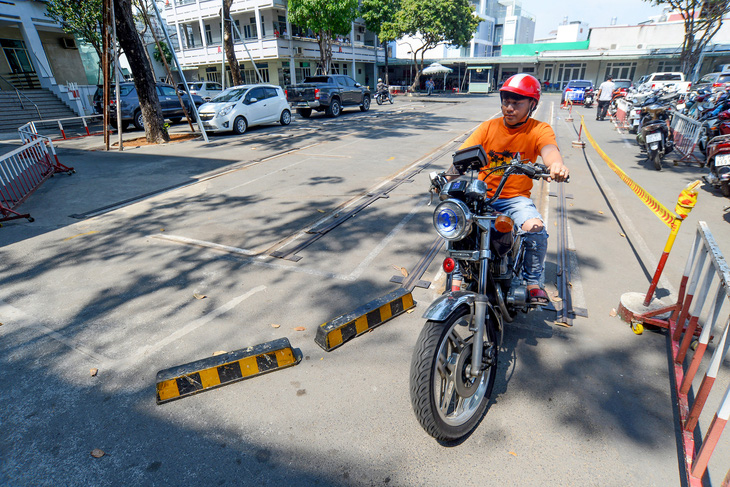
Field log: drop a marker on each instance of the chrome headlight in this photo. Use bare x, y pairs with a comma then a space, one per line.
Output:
225, 111
452, 220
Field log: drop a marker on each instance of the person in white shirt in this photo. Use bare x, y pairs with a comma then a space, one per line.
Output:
605, 93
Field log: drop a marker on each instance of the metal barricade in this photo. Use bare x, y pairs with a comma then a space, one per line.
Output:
704, 289
622, 113
686, 133
23, 170
66, 128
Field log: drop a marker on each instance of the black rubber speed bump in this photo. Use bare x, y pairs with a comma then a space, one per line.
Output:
219, 370
335, 332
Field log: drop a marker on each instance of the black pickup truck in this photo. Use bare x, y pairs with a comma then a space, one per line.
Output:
329, 94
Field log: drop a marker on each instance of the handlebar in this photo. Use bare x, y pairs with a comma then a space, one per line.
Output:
533, 171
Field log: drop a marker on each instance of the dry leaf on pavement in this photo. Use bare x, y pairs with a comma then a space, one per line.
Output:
613, 312
93, 372
299, 328
513, 453
600, 212
199, 296
97, 453
219, 352
402, 270
274, 325
623, 235
321, 211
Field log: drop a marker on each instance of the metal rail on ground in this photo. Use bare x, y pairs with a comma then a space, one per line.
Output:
318, 232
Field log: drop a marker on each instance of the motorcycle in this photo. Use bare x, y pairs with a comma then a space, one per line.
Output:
710, 122
654, 135
383, 96
454, 364
612, 107
718, 157
588, 98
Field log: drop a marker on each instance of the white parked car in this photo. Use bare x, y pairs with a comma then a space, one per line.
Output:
244, 106
207, 90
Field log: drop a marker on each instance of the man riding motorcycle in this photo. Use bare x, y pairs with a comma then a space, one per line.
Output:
381, 87
503, 139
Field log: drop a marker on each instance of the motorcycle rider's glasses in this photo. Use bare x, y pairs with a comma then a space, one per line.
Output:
515, 104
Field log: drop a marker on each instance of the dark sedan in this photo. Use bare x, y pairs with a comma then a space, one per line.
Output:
131, 113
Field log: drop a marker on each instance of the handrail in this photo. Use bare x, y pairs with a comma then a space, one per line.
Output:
19, 94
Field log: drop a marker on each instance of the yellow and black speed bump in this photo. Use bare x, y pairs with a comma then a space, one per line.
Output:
335, 332
219, 370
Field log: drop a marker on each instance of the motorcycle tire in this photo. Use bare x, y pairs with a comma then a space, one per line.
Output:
390, 98
725, 189
449, 404
379, 99
656, 158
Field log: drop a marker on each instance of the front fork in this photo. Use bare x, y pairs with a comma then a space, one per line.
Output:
480, 306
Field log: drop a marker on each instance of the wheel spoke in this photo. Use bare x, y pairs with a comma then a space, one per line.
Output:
456, 341
447, 393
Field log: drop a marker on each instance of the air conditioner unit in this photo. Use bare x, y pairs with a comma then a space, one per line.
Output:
298, 50
68, 43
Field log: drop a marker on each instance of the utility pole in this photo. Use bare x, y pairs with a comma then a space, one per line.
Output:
105, 24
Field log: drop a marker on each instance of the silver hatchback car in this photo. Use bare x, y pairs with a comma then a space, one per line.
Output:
240, 107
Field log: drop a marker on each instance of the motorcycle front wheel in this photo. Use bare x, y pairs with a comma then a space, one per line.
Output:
390, 98
379, 99
447, 400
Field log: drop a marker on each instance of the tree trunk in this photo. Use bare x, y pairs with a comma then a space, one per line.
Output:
419, 67
325, 50
144, 80
228, 45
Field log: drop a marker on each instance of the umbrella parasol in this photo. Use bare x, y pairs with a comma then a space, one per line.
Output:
436, 68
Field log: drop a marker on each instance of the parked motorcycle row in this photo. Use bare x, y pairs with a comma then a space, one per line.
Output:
649, 116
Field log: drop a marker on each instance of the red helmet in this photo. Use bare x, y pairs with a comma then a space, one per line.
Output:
523, 84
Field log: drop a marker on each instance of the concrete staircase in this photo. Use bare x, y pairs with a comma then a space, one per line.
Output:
14, 112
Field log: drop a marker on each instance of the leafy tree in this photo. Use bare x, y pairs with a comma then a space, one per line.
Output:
165, 50
327, 18
228, 45
434, 22
376, 13
144, 78
82, 19
702, 20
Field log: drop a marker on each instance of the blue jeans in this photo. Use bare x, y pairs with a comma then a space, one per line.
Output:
521, 209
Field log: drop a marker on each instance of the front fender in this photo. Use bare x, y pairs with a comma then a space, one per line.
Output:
446, 304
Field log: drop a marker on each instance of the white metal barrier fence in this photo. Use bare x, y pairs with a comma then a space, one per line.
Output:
622, 113
707, 280
686, 133
23, 170
66, 128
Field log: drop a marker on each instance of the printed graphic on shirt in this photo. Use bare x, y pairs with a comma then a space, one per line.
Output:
497, 159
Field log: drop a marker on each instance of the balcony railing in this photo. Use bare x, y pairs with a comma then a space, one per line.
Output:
272, 47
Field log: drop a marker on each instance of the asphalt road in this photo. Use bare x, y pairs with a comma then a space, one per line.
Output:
114, 287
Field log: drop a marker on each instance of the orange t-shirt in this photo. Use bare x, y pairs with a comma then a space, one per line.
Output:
502, 143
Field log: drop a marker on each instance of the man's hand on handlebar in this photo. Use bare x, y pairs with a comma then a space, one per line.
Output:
559, 172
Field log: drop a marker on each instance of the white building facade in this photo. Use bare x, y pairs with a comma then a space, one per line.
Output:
36, 53
503, 22
282, 52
